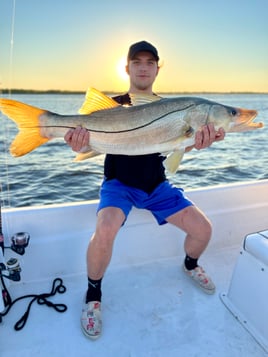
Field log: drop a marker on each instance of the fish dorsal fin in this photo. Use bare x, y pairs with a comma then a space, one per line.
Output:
139, 99
96, 100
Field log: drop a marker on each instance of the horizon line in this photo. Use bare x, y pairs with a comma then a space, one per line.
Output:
59, 91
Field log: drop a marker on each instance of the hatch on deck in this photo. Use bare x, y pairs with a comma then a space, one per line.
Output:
248, 290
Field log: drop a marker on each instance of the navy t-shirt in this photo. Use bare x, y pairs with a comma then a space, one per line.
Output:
145, 172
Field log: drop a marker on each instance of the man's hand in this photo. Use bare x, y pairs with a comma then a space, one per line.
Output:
77, 138
206, 136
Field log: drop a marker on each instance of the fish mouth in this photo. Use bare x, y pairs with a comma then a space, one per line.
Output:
244, 121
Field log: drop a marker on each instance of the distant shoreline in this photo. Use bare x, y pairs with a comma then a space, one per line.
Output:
52, 91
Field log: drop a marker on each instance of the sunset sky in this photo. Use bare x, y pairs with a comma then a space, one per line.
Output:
204, 45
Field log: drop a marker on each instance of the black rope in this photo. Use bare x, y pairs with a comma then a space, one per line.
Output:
41, 299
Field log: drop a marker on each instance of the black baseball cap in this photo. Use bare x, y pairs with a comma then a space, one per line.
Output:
142, 46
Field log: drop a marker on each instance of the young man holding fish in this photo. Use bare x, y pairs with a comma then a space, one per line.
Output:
140, 181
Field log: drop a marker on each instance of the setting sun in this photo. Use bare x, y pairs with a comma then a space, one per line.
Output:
121, 68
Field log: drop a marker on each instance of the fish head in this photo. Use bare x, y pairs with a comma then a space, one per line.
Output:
232, 119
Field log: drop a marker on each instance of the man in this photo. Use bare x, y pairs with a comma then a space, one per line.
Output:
140, 181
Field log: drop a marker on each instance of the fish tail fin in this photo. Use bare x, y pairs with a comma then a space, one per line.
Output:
27, 119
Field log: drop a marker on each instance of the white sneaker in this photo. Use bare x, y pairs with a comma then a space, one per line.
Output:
201, 279
91, 322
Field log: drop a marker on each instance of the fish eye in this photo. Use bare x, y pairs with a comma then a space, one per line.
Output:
233, 112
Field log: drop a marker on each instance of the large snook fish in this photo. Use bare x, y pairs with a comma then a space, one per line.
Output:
161, 125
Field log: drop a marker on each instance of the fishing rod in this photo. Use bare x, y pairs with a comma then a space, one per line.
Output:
5, 298
11, 269
1, 230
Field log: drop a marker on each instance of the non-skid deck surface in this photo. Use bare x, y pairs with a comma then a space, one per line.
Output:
150, 310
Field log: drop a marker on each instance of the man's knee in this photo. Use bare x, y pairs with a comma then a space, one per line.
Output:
108, 224
206, 230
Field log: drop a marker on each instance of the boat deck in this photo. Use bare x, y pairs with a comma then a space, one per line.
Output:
148, 310
150, 307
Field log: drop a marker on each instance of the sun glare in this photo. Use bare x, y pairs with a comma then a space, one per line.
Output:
121, 68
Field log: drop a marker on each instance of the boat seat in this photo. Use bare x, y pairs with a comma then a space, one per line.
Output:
248, 290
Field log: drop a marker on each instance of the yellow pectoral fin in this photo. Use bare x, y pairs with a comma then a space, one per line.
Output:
96, 100
86, 155
173, 160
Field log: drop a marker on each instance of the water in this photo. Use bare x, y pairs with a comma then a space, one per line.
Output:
48, 175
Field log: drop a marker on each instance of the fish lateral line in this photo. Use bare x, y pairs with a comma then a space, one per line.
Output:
189, 131
118, 131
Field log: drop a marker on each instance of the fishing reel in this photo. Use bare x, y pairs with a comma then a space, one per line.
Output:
19, 242
13, 268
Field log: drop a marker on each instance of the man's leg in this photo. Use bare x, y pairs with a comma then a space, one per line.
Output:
198, 233
99, 251
99, 254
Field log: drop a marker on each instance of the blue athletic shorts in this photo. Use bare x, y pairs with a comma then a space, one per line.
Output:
164, 201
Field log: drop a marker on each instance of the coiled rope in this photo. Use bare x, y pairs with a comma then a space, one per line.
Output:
41, 299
